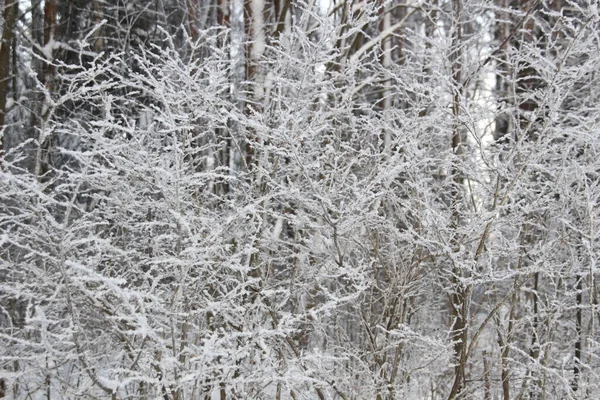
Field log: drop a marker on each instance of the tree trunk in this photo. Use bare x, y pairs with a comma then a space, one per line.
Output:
10, 16
460, 295
579, 340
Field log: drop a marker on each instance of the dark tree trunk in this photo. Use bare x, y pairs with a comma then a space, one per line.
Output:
10, 16
578, 342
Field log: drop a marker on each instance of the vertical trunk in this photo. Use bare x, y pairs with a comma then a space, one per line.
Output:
459, 313
97, 17
193, 9
9, 14
281, 10
431, 20
527, 78
222, 392
37, 98
579, 340
504, 343
487, 387
222, 135
11, 8
255, 42
502, 121
460, 295
255, 34
505, 376
238, 70
46, 76
387, 62
534, 352
49, 36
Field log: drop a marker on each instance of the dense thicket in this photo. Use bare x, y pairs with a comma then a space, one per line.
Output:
276, 199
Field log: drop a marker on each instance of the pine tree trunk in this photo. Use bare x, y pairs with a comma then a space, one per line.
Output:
10, 16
